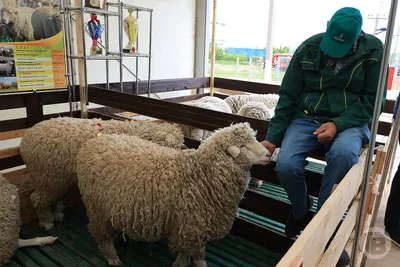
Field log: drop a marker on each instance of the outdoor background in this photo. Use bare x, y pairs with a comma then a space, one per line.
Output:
241, 34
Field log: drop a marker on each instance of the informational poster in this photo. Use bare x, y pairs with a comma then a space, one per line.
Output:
31, 46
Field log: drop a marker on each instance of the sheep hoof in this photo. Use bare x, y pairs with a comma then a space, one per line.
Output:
58, 216
46, 225
200, 263
48, 240
114, 262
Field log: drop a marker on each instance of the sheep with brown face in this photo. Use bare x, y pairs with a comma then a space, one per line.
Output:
152, 192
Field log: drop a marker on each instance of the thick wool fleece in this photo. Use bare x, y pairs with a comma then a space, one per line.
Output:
256, 110
207, 102
9, 220
237, 101
224, 107
152, 192
49, 150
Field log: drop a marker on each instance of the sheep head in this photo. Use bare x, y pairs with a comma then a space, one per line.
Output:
238, 141
8, 14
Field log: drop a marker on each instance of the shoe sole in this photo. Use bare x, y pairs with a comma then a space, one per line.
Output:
391, 239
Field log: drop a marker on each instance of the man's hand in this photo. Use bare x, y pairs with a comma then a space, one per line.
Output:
326, 132
268, 145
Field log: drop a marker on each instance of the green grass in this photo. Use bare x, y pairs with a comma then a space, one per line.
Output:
227, 69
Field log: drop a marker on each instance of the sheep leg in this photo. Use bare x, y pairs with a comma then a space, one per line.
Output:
182, 260
43, 210
38, 241
58, 214
199, 257
103, 233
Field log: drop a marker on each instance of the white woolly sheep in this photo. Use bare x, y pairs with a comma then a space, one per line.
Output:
46, 22
257, 110
20, 18
11, 3
41, 3
49, 149
151, 192
207, 102
10, 222
5, 85
224, 107
237, 101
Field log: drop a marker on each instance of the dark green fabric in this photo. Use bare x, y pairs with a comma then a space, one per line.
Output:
312, 90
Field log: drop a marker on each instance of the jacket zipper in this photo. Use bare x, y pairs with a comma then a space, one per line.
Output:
351, 77
323, 93
306, 98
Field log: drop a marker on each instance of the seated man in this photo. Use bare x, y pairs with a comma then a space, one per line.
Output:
327, 98
392, 214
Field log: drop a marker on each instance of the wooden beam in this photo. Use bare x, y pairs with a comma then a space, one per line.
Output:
12, 134
160, 86
15, 124
49, 97
81, 46
244, 86
9, 152
11, 162
34, 109
181, 99
332, 254
384, 128
178, 113
311, 243
389, 106
298, 262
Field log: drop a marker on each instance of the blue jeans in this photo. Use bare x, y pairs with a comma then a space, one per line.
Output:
297, 143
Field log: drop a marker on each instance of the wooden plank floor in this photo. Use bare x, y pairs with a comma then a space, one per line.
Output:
76, 247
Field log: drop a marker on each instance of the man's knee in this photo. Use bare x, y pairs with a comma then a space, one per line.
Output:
343, 153
288, 167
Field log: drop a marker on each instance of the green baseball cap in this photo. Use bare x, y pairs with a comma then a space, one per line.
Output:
343, 30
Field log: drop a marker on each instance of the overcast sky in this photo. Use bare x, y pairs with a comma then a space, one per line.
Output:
295, 20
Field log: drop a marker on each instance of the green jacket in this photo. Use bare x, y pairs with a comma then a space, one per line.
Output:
311, 90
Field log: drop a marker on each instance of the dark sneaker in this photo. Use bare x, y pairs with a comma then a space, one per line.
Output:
344, 260
294, 227
394, 235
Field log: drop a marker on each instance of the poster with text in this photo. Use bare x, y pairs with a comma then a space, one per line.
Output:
31, 46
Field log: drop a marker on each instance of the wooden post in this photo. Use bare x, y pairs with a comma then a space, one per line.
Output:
34, 108
213, 48
81, 61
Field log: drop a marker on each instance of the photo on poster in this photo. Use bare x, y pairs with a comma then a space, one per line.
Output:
30, 20
7, 68
6, 51
8, 84
32, 44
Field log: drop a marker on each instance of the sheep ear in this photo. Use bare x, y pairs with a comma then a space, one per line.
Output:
234, 151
